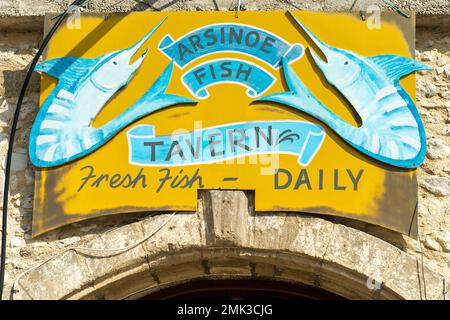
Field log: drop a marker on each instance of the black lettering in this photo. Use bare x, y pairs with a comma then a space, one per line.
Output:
238, 142
199, 76
336, 181
303, 178
89, 176
139, 178
260, 134
277, 181
195, 42
99, 180
355, 180
228, 71
175, 149
245, 72
174, 183
266, 43
321, 179
182, 50
125, 183
211, 69
209, 34
235, 35
152, 145
195, 152
184, 180
115, 181
164, 179
248, 39
196, 178
222, 35
212, 142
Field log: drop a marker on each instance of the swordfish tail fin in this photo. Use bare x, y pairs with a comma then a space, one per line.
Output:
153, 100
300, 98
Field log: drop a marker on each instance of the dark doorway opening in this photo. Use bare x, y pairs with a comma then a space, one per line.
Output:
237, 289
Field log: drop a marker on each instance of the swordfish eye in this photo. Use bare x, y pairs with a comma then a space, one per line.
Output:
350, 72
112, 75
342, 71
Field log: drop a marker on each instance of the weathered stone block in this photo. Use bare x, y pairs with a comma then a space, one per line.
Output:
227, 218
182, 232
56, 279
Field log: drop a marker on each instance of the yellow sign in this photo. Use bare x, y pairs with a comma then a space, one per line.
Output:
140, 111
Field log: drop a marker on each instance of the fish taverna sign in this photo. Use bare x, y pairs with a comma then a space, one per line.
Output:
314, 112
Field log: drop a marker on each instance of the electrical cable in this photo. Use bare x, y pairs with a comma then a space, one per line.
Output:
422, 268
238, 8
83, 250
15, 119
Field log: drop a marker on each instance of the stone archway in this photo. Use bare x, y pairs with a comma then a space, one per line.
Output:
224, 239
239, 288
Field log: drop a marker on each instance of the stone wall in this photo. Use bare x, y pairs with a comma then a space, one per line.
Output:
433, 96
18, 43
225, 239
39, 7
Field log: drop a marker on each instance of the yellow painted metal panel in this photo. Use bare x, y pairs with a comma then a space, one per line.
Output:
384, 195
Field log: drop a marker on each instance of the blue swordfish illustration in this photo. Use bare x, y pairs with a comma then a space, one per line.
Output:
63, 129
391, 131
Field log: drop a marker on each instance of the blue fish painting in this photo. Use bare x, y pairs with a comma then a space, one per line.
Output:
63, 129
391, 131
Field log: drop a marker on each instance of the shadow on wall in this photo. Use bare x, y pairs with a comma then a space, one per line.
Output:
143, 5
150, 4
390, 236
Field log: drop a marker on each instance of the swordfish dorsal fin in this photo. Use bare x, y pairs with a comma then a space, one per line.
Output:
396, 66
67, 69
